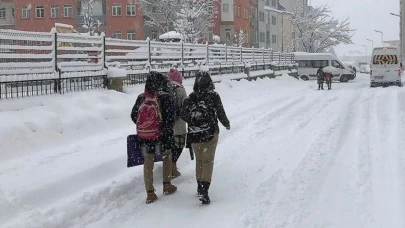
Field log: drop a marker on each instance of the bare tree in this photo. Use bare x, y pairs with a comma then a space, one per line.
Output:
160, 13
239, 39
90, 22
318, 31
194, 18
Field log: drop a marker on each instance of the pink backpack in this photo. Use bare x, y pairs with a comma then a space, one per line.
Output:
149, 118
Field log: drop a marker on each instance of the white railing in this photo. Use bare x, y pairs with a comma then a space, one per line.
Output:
35, 55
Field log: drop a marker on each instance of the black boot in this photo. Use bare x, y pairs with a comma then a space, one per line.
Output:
199, 189
204, 198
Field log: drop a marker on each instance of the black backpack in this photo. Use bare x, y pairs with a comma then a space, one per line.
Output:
200, 122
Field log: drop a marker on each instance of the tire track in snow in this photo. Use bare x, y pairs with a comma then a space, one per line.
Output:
387, 195
362, 186
298, 192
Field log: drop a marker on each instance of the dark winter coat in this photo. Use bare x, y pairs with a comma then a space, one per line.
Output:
157, 83
204, 90
320, 76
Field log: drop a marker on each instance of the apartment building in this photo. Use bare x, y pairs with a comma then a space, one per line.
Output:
117, 18
7, 14
41, 16
235, 24
124, 20
268, 24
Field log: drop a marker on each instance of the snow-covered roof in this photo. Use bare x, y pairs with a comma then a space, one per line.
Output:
276, 10
172, 35
314, 54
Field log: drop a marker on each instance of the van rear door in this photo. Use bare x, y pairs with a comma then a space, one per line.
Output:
379, 65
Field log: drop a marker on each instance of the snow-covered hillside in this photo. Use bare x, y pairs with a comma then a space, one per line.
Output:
294, 157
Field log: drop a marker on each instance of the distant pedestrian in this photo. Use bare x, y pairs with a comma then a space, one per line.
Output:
355, 71
320, 78
201, 111
180, 127
153, 116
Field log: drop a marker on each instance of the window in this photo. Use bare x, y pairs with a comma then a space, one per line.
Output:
116, 10
274, 20
210, 10
304, 63
26, 12
274, 2
336, 64
261, 16
40, 12
68, 11
262, 37
117, 35
54, 11
3, 13
154, 35
384, 59
131, 9
274, 39
319, 63
225, 8
131, 35
154, 9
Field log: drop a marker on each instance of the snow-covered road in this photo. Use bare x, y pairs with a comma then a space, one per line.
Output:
294, 157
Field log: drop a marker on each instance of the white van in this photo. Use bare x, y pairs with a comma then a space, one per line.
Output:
309, 63
385, 68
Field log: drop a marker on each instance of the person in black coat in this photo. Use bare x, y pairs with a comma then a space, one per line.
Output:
155, 84
320, 78
204, 136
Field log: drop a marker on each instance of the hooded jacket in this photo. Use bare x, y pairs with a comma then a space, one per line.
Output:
204, 90
157, 83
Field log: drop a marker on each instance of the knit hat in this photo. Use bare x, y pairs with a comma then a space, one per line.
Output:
175, 76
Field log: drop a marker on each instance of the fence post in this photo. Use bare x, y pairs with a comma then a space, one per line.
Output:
254, 52
241, 51
182, 58
149, 55
208, 54
58, 82
103, 50
226, 54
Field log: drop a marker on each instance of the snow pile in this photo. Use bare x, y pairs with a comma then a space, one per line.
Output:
115, 72
58, 118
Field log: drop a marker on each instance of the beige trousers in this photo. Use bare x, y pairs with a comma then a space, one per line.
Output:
205, 154
148, 169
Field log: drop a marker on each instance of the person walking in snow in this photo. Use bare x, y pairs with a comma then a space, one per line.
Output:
180, 128
201, 110
154, 119
320, 78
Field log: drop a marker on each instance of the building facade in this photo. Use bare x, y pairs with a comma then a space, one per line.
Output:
7, 14
235, 25
268, 24
124, 20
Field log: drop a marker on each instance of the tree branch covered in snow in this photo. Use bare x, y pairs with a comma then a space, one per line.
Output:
194, 18
160, 13
318, 31
89, 21
239, 39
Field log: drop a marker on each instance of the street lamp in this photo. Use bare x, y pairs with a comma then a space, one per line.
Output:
400, 35
372, 43
366, 51
382, 36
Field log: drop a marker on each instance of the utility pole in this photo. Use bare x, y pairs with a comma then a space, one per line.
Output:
366, 52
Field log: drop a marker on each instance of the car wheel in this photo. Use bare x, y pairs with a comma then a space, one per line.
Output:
305, 77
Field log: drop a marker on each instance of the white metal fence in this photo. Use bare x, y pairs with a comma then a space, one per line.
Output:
41, 63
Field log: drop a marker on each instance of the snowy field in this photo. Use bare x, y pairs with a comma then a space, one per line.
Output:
294, 157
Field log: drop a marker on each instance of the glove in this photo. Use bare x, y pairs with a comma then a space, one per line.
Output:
228, 127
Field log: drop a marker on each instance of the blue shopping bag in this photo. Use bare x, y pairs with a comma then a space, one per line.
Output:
134, 152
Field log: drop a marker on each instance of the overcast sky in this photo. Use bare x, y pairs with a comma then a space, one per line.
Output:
365, 16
